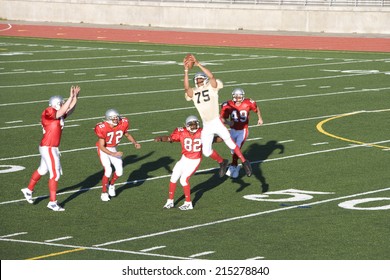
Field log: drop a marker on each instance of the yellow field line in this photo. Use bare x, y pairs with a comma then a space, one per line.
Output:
57, 254
321, 123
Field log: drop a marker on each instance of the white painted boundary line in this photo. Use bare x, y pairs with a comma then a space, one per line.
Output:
94, 248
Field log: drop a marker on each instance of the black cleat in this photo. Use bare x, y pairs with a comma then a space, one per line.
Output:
223, 166
247, 168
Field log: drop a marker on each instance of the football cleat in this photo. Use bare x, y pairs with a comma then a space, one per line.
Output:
236, 172
230, 170
186, 206
223, 166
52, 205
104, 197
247, 168
169, 204
111, 190
233, 171
28, 195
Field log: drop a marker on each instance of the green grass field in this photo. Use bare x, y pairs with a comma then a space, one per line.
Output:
323, 154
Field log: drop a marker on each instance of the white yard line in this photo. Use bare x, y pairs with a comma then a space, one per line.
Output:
238, 218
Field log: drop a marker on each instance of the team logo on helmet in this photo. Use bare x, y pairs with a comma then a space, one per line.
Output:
192, 124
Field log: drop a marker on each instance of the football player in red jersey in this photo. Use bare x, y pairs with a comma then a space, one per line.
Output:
205, 97
110, 133
191, 150
52, 120
235, 113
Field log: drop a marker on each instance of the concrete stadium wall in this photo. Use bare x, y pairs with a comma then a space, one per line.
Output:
326, 19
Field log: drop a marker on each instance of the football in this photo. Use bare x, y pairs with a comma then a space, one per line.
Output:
189, 61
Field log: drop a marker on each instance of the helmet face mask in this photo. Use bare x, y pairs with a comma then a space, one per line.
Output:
200, 75
56, 102
112, 117
238, 95
192, 124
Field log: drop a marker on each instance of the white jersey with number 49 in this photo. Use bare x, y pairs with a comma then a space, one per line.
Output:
206, 102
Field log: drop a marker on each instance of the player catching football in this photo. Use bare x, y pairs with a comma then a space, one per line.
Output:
110, 133
191, 150
205, 97
235, 113
52, 121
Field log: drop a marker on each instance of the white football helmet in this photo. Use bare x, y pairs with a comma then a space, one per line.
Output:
192, 124
200, 75
56, 102
112, 117
238, 95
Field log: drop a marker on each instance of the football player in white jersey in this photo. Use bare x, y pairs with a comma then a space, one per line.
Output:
205, 97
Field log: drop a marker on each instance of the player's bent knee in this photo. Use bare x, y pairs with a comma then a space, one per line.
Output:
230, 143
183, 182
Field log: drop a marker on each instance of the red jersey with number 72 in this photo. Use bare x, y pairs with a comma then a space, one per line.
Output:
112, 135
191, 145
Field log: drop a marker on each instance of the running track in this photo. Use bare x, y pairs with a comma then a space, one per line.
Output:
102, 33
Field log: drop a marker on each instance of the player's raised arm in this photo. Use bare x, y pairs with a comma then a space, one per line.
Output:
187, 89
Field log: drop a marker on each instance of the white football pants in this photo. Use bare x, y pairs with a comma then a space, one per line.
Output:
184, 169
50, 162
212, 128
107, 160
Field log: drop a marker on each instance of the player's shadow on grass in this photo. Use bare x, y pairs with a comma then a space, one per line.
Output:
139, 176
257, 154
95, 179
199, 190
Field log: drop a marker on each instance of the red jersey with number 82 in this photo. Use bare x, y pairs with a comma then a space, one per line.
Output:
112, 135
191, 145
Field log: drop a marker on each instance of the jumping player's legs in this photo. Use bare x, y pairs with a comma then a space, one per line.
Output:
208, 133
